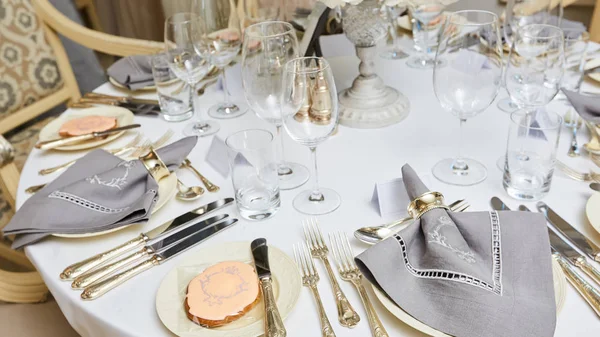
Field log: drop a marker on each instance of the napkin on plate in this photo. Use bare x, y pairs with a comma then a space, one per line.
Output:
98, 193
134, 72
587, 106
468, 274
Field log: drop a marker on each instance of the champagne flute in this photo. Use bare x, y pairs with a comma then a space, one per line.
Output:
392, 13
266, 49
308, 82
469, 83
224, 40
427, 16
186, 55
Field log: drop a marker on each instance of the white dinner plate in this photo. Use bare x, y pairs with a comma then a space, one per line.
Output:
50, 131
167, 188
172, 291
592, 210
560, 288
120, 86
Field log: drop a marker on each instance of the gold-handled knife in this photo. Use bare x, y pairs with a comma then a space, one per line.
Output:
273, 323
121, 99
54, 143
98, 289
79, 268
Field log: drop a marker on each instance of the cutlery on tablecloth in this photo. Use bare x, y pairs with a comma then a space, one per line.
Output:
347, 316
122, 99
591, 177
212, 188
98, 289
344, 258
310, 278
54, 143
154, 246
273, 323
79, 268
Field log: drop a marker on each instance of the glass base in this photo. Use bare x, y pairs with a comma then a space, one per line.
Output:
393, 54
507, 105
201, 128
474, 173
423, 63
227, 110
525, 187
330, 202
296, 178
179, 117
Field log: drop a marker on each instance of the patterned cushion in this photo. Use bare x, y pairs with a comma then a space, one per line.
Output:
28, 69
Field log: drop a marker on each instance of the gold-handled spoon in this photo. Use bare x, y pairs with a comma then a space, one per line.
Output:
212, 188
186, 193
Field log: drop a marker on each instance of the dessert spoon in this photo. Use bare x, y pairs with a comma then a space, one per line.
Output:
186, 193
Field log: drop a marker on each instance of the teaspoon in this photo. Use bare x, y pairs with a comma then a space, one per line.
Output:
188, 193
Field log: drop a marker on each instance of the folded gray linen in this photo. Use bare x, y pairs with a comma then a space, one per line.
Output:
587, 106
468, 274
134, 72
98, 193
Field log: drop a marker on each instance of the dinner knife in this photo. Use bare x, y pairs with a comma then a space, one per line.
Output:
79, 268
159, 243
121, 99
98, 289
562, 226
54, 143
573, 256
273, 323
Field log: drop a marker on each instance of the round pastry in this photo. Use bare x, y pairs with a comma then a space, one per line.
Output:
221, 294
87, 124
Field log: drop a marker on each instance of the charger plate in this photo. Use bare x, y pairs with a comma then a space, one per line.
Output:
560, 289
167, 188
592, 210
172, 291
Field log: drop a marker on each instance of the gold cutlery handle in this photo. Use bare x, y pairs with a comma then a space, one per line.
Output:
209, 186
106, 97
79, 268
398, 222
589, 293
587, 268
100, 273
34, 188
52, 144
273, 323
347, 316
96, 290
326, 328
77, 105
377, 328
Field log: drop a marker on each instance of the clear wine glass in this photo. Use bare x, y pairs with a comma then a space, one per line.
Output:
266, 49
256, 11
308, 82
392, 13
469, 83
224, 41
427, 18
187, 58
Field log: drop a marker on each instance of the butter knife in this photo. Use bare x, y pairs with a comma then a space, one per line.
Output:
98, 289
79, 268
579, 240
54, 143
273, 323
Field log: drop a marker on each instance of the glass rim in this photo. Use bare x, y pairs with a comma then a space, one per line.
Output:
469, 23
558, 31
251, 34
193, 17
513, 119
302, 58
237, 133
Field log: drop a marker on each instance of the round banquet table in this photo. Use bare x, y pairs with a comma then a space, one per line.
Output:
351, 162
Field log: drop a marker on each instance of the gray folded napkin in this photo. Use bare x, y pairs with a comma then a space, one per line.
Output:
98, 193
134, 72
468, 274
587, 106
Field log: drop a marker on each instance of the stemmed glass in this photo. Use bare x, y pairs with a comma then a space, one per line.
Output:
308, 81
469, 83
427, 16
187, 58
392, 13
266, 49
223, 40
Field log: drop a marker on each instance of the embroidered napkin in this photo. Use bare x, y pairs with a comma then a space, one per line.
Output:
98, 193
134, 72
588, 107
468, 274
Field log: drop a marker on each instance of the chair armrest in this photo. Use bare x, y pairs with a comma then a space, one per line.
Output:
9, 174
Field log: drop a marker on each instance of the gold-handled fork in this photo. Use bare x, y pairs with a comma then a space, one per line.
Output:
591, 176
310, 278
212, 188
318, 249
344, 258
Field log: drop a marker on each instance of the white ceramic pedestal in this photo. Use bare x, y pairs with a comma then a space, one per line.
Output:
369, 103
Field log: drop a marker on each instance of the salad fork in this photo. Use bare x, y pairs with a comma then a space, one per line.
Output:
344, 258
310, 278
318, 249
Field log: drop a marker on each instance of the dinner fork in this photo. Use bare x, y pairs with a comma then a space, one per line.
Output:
591, 176
310, 278
318, 249
344, 259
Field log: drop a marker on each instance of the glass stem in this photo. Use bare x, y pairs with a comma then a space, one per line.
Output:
225, 91
283, 169
315, 195
393, 31
200, 123
459, 166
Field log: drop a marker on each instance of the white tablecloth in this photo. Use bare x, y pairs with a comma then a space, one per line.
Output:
351, 163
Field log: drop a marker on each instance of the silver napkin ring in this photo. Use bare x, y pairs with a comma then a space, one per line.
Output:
425, 203
155, 166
